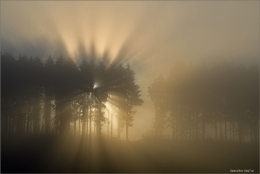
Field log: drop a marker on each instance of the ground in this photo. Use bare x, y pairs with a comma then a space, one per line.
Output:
67, 154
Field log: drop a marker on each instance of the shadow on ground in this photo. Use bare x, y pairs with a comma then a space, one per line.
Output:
44, 154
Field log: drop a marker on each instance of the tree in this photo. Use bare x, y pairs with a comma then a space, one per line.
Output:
157, 93
131, 97
47, 97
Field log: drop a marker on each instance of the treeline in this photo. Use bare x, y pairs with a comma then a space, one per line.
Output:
220, 102
60, 97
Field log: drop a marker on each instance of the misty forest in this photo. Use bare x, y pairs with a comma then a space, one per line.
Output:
47, 100
129, 86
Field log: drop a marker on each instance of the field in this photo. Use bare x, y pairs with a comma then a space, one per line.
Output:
43, 154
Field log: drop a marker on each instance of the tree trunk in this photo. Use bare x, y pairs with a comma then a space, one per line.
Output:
216, 130
126, 127
196, 127
87, 120
118, 127
108, 123
28, 119
230, 130
240, 132
181, 123
75, 125
173, 126
126, 133
79, 126
118, 133
220, 128
111, 131
225, 121
90, 121
177, 129
190, 126
156, 120
99, 120
203, 126
233, 130
83, 121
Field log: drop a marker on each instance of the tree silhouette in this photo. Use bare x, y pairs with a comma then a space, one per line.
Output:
157, 93
47, 97
200, 96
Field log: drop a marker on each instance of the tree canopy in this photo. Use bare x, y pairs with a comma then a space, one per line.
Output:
219, 102
49, 96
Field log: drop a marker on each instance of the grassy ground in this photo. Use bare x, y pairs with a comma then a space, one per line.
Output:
44, 154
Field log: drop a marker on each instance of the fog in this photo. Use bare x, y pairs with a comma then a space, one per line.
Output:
191, 68
151, 35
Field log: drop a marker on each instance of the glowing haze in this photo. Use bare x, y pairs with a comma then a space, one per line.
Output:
151, 36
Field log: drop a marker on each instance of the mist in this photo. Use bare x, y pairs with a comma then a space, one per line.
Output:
150, 38
150, 33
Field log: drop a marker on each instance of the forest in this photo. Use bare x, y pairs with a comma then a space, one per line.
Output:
221, 101
59, 96
54, 112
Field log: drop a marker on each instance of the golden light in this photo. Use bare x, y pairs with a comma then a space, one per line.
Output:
95, 86
96, 28
111, 121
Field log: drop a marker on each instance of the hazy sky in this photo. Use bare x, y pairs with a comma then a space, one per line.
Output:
152, 34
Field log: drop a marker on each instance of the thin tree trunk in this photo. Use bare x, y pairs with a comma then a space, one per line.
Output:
156, 120
87, 115
126, 126
225, 121
243, 135
111, 131
75, 125
203, 126
126, 133
216, 131
90, 121
79, 126
99, 120
118, 127
83, 121
240, 132
108, 122
233, 130
190, 132
181, 125
95, 129
177, 129
28, 119
75, 121
220, 128
196, 127
251, 133
173, 127
256, 131
230, 130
